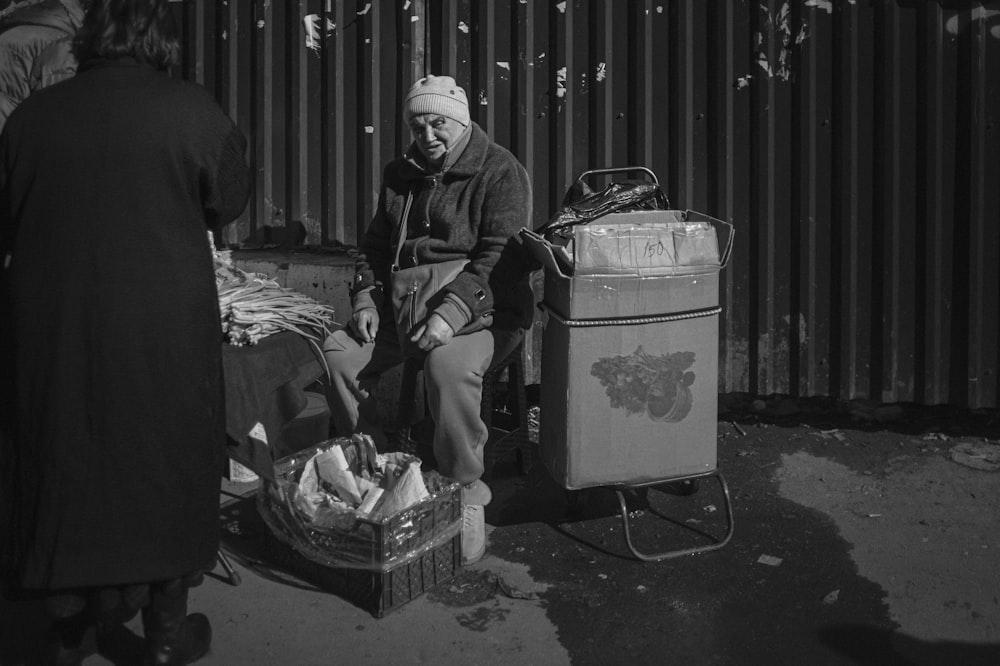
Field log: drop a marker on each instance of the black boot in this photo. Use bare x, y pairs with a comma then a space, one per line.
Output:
114, 607
72, 632
73, 640
173, 636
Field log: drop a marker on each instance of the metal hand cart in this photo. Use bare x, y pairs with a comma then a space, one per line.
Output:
630, 354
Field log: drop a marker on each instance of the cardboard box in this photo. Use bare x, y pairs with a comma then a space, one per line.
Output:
631, 291
630, 348
644, 244
629, 404
623, 296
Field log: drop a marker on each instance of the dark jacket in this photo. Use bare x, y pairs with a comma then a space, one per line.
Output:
110, 472
473, 211
35, 48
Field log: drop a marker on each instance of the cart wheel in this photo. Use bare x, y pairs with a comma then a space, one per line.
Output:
686, 487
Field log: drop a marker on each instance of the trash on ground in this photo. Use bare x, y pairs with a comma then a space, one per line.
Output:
769, 560
831, 598
512, 592
977, 455
828, 434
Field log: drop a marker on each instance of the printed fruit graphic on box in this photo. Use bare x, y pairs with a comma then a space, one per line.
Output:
658, 386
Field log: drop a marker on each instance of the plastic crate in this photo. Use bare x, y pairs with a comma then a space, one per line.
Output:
376, 592
375, 546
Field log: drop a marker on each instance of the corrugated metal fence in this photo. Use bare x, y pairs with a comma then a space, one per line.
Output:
854, 144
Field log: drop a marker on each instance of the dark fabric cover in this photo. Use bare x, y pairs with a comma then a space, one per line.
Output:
265, 383
109, 182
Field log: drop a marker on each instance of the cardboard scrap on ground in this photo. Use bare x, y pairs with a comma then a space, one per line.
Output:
769, 560
511, 592
977, 455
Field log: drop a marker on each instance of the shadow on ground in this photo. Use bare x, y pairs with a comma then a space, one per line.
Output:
877, 647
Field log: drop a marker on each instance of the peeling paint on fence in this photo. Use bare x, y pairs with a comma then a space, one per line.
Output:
779, 39
826, 5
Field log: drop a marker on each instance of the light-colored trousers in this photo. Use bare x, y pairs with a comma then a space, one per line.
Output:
453, 381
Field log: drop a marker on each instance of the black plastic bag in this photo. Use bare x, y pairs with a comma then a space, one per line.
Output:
583, 205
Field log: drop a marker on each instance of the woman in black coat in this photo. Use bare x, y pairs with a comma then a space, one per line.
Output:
109, 183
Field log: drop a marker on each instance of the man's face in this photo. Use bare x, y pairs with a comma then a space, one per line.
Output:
435, 134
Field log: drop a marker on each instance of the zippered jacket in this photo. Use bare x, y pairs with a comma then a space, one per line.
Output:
473, 210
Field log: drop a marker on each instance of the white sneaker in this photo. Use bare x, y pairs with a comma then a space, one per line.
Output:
473, 533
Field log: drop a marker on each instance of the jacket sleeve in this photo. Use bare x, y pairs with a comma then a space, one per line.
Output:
371, 270
15, 65
506, 208
55, 63
226, 188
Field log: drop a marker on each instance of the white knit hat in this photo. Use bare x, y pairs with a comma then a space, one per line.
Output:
437, 94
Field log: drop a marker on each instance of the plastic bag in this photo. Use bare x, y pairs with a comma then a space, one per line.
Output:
582, 205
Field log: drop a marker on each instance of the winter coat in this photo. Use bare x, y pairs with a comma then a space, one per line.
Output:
473, 211
35, 48
110, 465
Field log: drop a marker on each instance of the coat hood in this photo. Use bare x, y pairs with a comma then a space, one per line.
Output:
64, 15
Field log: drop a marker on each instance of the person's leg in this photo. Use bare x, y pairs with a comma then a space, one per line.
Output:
453, 378
112, 607
173, 636
73, 632
453, 375
355, 368
454, 382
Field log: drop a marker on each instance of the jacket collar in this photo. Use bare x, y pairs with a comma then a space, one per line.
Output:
468, 163
103, 63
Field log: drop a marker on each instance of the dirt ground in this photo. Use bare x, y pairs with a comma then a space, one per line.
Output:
864, 534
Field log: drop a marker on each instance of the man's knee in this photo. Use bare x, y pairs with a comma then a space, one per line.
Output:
344, 356
450, 369
458, 362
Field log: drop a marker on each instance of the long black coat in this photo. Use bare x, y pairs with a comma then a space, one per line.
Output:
109, 183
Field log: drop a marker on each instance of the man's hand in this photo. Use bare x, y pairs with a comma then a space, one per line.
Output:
435, 333
365, 324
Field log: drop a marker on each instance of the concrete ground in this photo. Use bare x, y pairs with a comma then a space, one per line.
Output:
864, 534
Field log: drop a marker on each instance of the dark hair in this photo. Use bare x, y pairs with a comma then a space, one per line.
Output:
140, 29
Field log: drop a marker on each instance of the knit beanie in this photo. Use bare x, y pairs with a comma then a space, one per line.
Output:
437, 94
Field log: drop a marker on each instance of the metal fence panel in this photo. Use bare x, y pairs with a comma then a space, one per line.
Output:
852, 143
